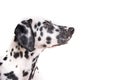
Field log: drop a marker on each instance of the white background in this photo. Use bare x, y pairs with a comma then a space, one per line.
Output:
94, 51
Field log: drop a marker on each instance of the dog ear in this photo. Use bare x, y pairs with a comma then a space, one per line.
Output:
25, 37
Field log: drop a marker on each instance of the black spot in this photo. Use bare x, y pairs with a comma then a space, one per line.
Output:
44, 45
11, 76
19, 45
25, 73
1, 63
37, 29
12, 49
49, 26
35, 26
32, 54
33, 60
16, 66
16, 46
57, 30
21, 54
48, 42
39, 23
11, 53
39, 38
5, 58
26, 54
48, 38
16, 54
41, 28
7, 51
41, 33
50, 30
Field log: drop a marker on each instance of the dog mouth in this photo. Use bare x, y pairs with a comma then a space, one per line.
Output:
65, 36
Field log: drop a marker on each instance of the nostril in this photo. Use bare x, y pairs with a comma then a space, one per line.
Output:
71, 30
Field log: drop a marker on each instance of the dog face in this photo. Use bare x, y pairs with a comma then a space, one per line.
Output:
41, 34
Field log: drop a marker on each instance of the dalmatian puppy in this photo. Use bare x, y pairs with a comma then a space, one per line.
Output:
31, 37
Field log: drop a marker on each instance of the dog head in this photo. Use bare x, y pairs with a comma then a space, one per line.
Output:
41, 34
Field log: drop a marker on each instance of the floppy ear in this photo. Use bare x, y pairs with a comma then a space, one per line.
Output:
25, 37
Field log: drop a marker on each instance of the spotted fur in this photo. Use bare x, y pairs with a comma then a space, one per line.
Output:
31, 38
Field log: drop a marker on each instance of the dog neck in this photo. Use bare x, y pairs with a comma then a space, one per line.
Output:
16, 51
26, 59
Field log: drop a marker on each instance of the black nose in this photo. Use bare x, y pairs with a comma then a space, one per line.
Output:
71, 30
